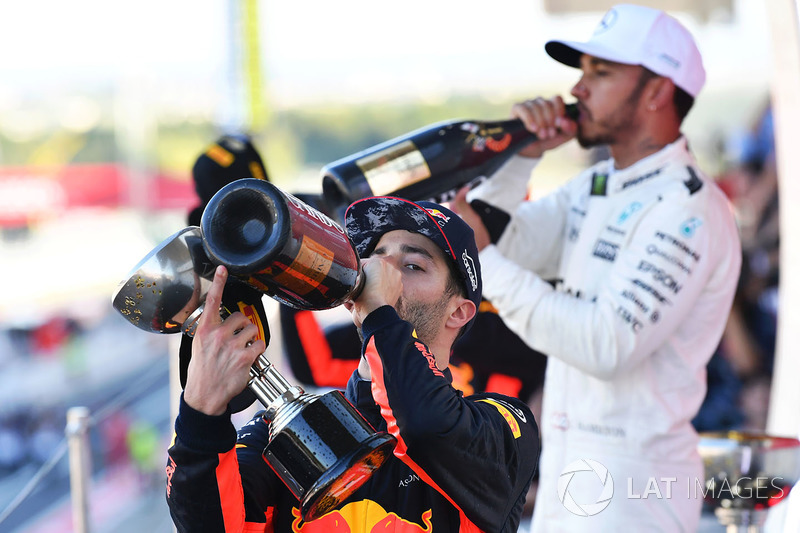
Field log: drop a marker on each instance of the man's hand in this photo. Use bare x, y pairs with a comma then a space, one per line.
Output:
547, 120
222, 354
383, 286
460, 206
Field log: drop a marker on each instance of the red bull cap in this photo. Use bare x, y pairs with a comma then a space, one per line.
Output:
366, 220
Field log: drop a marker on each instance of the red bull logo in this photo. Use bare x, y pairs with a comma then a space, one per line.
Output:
440, 217
365, 516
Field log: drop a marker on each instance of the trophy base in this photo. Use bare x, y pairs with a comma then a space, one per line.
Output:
324, 450
346, 476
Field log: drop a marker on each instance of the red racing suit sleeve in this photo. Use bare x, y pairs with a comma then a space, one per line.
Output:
480, 452
205, 489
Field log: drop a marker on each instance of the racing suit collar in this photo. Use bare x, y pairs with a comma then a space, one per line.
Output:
646, 169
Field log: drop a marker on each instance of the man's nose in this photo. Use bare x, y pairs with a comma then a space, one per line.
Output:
579, 90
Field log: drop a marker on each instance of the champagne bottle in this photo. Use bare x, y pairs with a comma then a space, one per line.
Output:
430, 163
280, 246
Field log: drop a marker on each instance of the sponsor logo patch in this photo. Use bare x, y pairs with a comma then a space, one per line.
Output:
626, 213
654, 250
628, 317
661, 276
469, 264
639, 179
650, 290
605, 250
599, 183
689, 227
431, 359
440, 217
630, 295
677, 243
560, 421
510, 420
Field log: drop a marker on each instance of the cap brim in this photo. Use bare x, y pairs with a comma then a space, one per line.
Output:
570, 52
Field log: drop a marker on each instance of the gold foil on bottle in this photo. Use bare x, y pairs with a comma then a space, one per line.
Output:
394, 168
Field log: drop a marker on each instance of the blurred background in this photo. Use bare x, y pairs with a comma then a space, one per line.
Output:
105, 106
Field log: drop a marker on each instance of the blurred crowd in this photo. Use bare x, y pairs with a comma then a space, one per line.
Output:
740, 373
32, 426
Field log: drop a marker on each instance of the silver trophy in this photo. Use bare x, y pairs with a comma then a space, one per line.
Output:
320, 446
746, 474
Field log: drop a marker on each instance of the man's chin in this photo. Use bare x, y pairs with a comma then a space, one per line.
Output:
591, 142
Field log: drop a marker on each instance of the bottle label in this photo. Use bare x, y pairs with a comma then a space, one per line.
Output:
394, 168
495, 139
309, 268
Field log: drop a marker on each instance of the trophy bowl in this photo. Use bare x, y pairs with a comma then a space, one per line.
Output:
168, 285
747, 474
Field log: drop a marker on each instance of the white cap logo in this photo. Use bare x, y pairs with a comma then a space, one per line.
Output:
470, 266
608, 20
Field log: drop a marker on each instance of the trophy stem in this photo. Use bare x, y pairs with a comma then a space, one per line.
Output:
270, 386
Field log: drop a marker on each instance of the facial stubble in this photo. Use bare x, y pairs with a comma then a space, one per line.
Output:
425, 318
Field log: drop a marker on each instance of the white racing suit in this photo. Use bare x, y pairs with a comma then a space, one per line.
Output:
645, 262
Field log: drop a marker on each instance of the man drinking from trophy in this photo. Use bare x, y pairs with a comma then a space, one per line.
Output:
460, 463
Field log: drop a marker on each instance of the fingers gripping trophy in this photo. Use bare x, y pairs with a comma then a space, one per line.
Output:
320, 445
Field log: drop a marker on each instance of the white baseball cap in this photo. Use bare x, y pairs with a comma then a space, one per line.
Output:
638, 35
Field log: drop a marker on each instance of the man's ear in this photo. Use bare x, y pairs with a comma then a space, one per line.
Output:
661, 93
461, 313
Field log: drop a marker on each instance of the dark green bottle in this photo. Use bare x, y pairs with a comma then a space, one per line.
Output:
430, 163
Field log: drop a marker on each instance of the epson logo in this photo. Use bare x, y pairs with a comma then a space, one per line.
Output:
605, 250
661, 276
